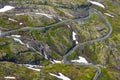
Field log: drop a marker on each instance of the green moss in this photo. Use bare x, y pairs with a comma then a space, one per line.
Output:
73, 72
108, 74
45, 62
104, 75
20, 72
72, 56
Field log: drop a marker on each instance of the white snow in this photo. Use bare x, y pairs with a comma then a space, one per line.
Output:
15, 21
8, 77
47, 15
68, 26
12, 20
20, 14
18, 36
18, 40
76, 42
60, 76
45, 55
97, 3
6, 8
80, 60
60, 19
20, 23
56, 61
73, 35
27, 45
32, 67
108, 14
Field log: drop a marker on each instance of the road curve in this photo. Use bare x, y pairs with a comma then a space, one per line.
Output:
97, 39
48, 26
91, 41
80, 44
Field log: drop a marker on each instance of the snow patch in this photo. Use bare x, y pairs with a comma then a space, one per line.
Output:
8, 77
45, 55
29, 65
20, 23
56, 61
68, 26
20, 14
60, 19
60, 76
18, 40
108, 14
12, 20
27, 45
6, 8
74, 37
33, 67
47, 15
76, 42
80, 60
18, 36
97, 3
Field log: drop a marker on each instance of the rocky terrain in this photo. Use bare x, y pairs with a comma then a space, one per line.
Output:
35, 36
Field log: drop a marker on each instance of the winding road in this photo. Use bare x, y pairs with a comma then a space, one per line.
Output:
91, 41
80, 44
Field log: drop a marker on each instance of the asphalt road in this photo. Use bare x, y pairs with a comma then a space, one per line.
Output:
80, 44
91, 41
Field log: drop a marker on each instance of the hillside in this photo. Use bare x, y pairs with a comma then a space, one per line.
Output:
50, 34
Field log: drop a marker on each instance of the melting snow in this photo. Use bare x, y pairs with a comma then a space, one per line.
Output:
47, 15
60, 76
12, 20
74, 38
76, 42
68, 26
18, 40
60, 19
20, 14
16, 36
97, 3
27, 45
32, 67
6, 8
108, 14
45, 55
56, 61
73, 35
20, 23
8, 77
80, 60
